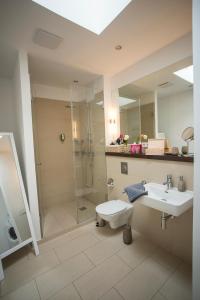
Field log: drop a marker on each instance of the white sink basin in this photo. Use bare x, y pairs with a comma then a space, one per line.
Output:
172, 201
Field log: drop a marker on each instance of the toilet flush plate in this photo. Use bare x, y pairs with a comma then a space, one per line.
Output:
124, 168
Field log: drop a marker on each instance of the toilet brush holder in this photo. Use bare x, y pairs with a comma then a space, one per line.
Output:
127, 235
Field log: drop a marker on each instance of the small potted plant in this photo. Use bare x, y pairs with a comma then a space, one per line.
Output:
125, 139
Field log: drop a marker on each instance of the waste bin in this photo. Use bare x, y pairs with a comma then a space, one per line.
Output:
127, 235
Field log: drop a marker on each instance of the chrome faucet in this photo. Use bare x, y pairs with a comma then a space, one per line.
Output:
168, 182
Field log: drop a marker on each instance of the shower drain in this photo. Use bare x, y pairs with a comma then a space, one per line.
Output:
82, 208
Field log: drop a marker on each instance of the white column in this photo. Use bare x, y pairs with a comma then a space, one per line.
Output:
111, 111
196, 205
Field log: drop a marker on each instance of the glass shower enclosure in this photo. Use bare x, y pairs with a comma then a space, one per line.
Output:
88, 135
79, 159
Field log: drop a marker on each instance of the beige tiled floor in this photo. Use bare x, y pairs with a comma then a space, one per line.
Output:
64, 216
91, 263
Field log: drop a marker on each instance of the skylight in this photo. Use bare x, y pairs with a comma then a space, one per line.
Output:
94, 15
186, 74
125, 101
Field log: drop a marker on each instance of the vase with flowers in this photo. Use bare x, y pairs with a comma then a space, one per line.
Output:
125, 139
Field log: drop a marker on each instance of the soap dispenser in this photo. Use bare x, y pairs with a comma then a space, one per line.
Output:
181, 185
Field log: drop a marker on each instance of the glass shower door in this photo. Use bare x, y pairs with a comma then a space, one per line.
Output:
89, 156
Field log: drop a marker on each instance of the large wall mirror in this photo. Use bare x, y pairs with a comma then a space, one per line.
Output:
16, 229
159, 105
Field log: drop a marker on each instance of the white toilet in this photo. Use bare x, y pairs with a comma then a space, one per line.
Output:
116, 212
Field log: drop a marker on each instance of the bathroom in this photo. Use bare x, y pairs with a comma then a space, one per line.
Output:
80, 129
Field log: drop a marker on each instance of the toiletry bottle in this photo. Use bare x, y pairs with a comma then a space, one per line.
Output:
181, 185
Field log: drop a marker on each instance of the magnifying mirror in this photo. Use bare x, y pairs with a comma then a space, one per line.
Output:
187, 136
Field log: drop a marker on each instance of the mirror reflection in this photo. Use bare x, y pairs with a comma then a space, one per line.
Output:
174, 104
14, 226
159, 106
137, 119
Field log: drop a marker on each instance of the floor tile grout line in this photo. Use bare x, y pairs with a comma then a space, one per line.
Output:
58, 291
139, 263
37, 289
82, 251
77, 290
57, 256
102, 261
34, 277
71, 282
60, 265
65, 232
14, 290
172, 273
124, 261
112, 288
89, 259
165, 281
95, 267
164, 297
67, 240
133, 270
118, 293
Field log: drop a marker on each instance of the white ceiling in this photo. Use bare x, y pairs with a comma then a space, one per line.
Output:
46, 72
142, 28
93, 15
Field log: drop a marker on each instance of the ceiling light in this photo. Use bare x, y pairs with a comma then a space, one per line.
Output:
125, 101
1, 136
118, 47
94, 15
186, 74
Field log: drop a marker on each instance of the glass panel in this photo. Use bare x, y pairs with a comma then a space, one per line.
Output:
130, 122
14, 226
37, 168
89, 156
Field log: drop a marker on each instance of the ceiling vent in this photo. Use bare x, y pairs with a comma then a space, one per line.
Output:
46, 39
165, 84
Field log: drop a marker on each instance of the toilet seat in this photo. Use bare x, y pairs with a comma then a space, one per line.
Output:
112, 207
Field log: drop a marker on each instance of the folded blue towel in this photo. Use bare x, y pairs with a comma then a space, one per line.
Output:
135, 191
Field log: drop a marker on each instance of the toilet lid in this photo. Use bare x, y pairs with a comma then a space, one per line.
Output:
112, 207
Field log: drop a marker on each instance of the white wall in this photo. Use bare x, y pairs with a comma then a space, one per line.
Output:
175, 113
73, 93
196, 91
24, 134
111, 111
50, 92
7, 116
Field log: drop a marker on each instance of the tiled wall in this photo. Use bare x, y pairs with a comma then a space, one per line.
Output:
56, 180
177, 238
